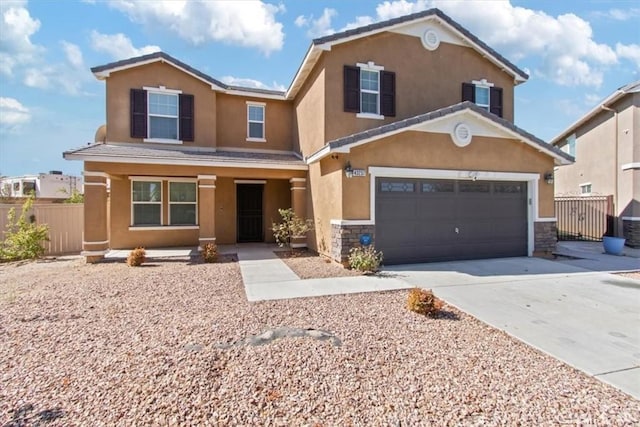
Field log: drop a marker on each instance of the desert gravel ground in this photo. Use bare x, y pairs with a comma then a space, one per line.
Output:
309, 265
166, 344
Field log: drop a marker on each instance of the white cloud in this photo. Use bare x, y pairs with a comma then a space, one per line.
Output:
245, 82
67, 77
619, 14
16, 28
12, 113
360, 21
301, 21
630, 52
564, 46
245, 23
119, 46
591, 99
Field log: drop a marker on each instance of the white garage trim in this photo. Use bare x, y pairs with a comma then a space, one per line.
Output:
531, 179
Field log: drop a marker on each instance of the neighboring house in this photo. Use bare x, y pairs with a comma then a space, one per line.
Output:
402, 130
606, 145
52, 185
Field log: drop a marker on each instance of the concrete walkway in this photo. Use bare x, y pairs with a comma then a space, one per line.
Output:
591, 256
267, 277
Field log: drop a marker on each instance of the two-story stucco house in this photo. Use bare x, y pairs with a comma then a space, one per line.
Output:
402, 130
605, 143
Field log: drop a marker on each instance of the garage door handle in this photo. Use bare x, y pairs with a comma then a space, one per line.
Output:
457, 230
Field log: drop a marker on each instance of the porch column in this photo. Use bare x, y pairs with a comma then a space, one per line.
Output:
95, 241
207, 209
299, 206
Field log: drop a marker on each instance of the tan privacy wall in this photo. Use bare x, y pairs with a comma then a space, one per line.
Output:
65, 222
425, 80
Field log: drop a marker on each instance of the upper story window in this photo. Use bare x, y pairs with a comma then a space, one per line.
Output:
162, 115
484, 94
585, 189
255, 121
369, 90
570, 145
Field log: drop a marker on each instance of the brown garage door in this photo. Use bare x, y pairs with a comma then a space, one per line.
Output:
424, 220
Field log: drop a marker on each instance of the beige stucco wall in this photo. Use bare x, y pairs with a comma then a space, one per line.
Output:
324, 202
309, 112
157, 74
425, 80
232, 120
599, 162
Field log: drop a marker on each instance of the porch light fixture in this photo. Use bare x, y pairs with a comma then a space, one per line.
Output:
548, 177
348, 171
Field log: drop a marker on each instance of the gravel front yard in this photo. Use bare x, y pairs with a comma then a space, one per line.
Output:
309, 265
108, 344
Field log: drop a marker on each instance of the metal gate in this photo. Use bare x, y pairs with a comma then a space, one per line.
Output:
584, 218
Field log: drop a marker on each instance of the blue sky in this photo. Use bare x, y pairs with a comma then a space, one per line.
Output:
577, 53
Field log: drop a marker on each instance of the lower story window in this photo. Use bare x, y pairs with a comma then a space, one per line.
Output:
182, 203
585, 189
146, 202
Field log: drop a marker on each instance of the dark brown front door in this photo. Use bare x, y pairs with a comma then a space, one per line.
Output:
425, 220
250, 218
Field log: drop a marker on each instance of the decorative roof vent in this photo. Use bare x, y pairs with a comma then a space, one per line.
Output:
461, 135
430, 39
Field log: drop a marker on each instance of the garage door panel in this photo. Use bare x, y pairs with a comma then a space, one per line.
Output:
419, 223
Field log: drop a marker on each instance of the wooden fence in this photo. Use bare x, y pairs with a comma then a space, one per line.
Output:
584, 218
65, 221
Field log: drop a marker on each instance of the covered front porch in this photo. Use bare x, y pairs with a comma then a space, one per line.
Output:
166, 202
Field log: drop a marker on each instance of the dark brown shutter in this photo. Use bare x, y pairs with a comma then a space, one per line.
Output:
351, 89
388, 93
186, 117
495, 101
138, 113
468, 92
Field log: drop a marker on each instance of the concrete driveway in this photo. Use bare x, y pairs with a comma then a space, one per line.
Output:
590, 320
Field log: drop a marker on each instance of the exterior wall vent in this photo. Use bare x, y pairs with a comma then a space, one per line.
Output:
430, 39
461, 135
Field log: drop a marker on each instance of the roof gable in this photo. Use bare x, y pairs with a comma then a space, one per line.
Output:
415, 25
445, 120
104, 71
633, 87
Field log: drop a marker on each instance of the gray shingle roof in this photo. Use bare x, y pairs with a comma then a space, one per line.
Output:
412, 17
178, 153
466, 105
169, 58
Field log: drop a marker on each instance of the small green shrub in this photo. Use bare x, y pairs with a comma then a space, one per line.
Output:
422, 301
23, 238
290, 227
136, 257
210, 252
365, 259
75, 197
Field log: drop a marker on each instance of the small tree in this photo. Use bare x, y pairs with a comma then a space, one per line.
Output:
23, 239
75, 197
290, 227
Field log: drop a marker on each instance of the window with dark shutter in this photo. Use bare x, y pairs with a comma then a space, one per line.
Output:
351, 89
186, 118
138, 113
495, 101
468, 92
388, 93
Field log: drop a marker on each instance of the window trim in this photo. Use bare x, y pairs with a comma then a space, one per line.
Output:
169, 202
133, 203
263, 105
161, 90
371, 67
